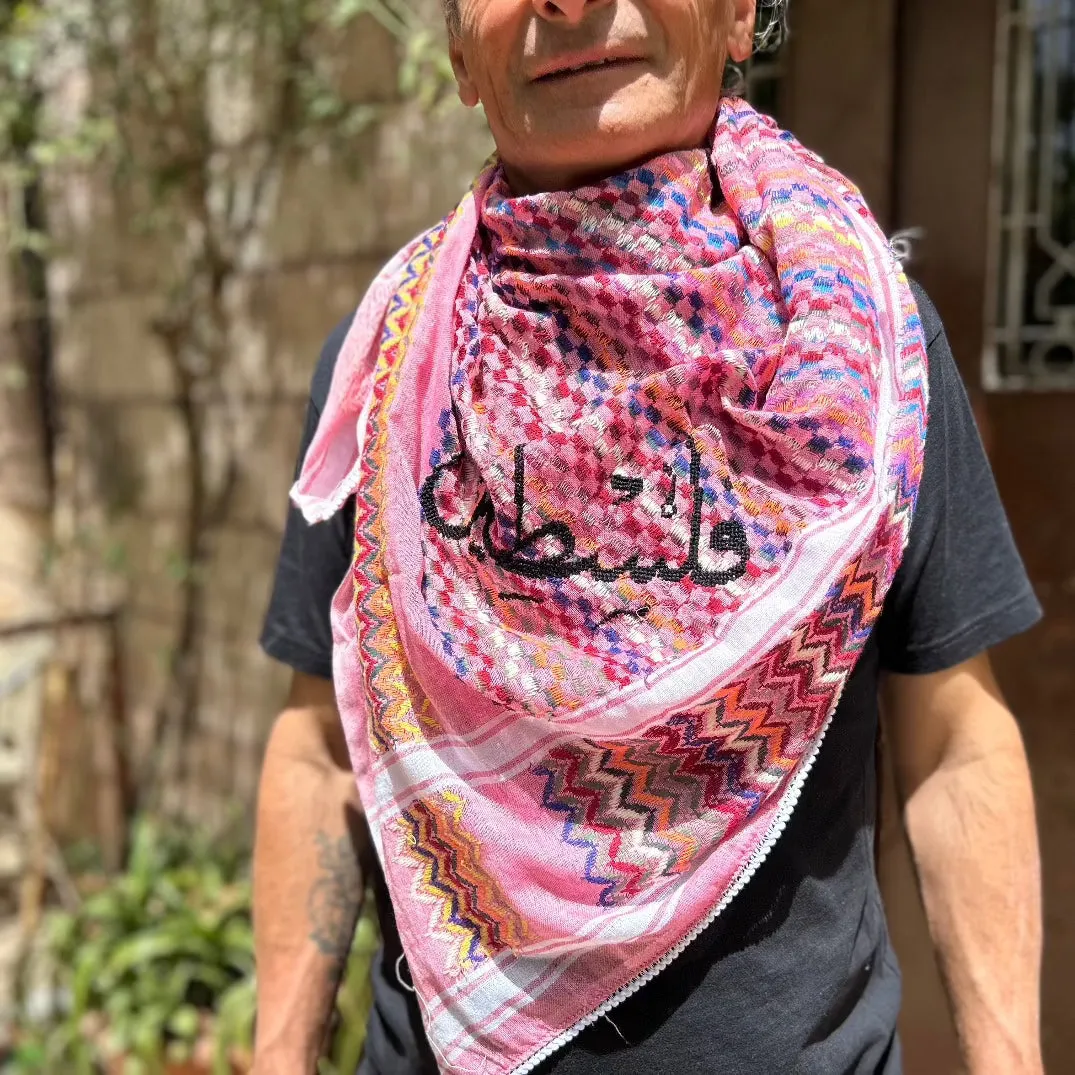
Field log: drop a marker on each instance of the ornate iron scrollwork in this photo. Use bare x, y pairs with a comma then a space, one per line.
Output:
1030, 330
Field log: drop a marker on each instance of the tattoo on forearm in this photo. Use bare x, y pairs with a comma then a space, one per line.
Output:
334, 899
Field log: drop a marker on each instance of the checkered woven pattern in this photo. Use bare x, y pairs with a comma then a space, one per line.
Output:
609, 332
634, 466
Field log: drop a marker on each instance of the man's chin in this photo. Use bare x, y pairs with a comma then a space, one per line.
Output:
564, 160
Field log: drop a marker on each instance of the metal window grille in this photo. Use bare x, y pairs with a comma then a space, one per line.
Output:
1030, 329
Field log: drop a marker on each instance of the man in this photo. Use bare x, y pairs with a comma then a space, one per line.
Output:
640, 448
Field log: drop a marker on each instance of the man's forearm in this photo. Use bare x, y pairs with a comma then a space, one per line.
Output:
972, 832
307, 895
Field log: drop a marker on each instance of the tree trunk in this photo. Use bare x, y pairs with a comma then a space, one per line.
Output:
26, 485
26, 494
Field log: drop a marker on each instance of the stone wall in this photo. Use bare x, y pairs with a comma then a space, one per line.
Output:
334, 219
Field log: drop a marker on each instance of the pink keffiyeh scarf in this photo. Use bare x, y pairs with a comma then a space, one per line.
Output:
634, 466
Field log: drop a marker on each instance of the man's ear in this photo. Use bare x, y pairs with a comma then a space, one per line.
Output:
741, 34
468, 91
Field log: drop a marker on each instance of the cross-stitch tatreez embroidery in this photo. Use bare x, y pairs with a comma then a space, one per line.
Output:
634, 466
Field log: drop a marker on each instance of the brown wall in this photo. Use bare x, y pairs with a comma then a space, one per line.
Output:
838, 95
927, 165
940, 185
943, 183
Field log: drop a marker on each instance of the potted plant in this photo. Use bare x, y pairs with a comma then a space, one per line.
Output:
155, 970
152, 965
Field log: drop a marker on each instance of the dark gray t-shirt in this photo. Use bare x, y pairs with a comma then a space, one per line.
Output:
797, 975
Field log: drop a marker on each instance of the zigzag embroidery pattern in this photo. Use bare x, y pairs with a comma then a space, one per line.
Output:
390, 690
622, 807
643, 810
469, 909
621, 800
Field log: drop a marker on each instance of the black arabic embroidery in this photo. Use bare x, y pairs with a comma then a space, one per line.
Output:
623, 613
522, 557
668, 508
630, 487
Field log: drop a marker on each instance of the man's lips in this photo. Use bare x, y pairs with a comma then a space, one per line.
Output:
578, 62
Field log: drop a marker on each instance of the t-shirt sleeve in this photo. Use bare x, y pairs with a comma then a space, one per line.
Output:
961, 587
313, 559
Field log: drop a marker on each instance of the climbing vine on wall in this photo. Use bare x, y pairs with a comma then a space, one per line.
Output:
191, 110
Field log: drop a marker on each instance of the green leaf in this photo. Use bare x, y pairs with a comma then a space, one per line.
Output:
104, 906
178, 1052
148, 1033
213, 977
87, 971
162, 944
151, 987
145, 858
236, 1009
367, 936
178, 567
117, 1038
185, 1023
344, 11
119, 1003
238, 936
61, 930
177, 979
13, 377
29, 1056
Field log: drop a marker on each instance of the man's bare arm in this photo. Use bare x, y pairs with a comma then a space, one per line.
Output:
969, 812
307, 879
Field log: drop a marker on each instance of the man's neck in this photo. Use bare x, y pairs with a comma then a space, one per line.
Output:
524, 181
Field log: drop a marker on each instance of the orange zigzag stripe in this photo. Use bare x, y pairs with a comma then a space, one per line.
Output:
397, 710
469, 907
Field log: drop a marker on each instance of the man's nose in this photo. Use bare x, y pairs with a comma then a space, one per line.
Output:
571, 12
